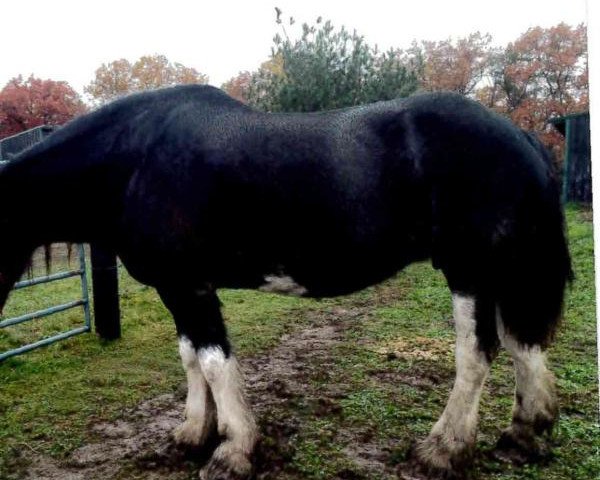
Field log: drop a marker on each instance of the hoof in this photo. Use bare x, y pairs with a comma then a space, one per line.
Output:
192, 434
544, 424
520, 449
227, 464
433, 458
416, 469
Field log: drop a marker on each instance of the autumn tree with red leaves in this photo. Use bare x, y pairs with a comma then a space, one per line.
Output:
543, 74
452, 65
26, 104
121, 77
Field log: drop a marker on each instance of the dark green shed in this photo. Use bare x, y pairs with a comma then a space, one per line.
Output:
577, 165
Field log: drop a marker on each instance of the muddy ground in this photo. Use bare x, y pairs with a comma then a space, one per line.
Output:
139, 444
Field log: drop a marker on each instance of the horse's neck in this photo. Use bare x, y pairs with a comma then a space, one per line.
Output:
47, 199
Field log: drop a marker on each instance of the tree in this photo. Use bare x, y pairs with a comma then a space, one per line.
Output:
543, 74
327, 68
546, 64
111, 80
120, 77
457, 66
238, 86
26, 104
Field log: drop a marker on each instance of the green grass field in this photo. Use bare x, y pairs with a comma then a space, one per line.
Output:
395, 366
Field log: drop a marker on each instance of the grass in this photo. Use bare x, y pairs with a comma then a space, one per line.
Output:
51, 396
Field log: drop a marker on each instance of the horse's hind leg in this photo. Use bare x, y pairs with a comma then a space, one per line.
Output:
216, 385
535, 408
449, 445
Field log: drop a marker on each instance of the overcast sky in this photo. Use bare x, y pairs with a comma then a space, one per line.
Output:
68, 40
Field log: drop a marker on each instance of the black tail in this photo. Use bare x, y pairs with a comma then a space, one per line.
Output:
535, 266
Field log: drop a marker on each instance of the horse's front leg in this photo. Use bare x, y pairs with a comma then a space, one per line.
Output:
234, 419
215, 385
200, 411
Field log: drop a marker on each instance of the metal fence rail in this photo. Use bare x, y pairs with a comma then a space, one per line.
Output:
83, 301
11, 146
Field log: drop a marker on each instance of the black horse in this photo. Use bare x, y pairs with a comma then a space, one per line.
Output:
196, 191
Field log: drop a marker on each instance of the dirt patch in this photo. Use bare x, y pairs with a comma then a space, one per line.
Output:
142, 433
417, 348
283, 384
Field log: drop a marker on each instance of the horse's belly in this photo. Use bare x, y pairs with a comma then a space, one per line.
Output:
339, 278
